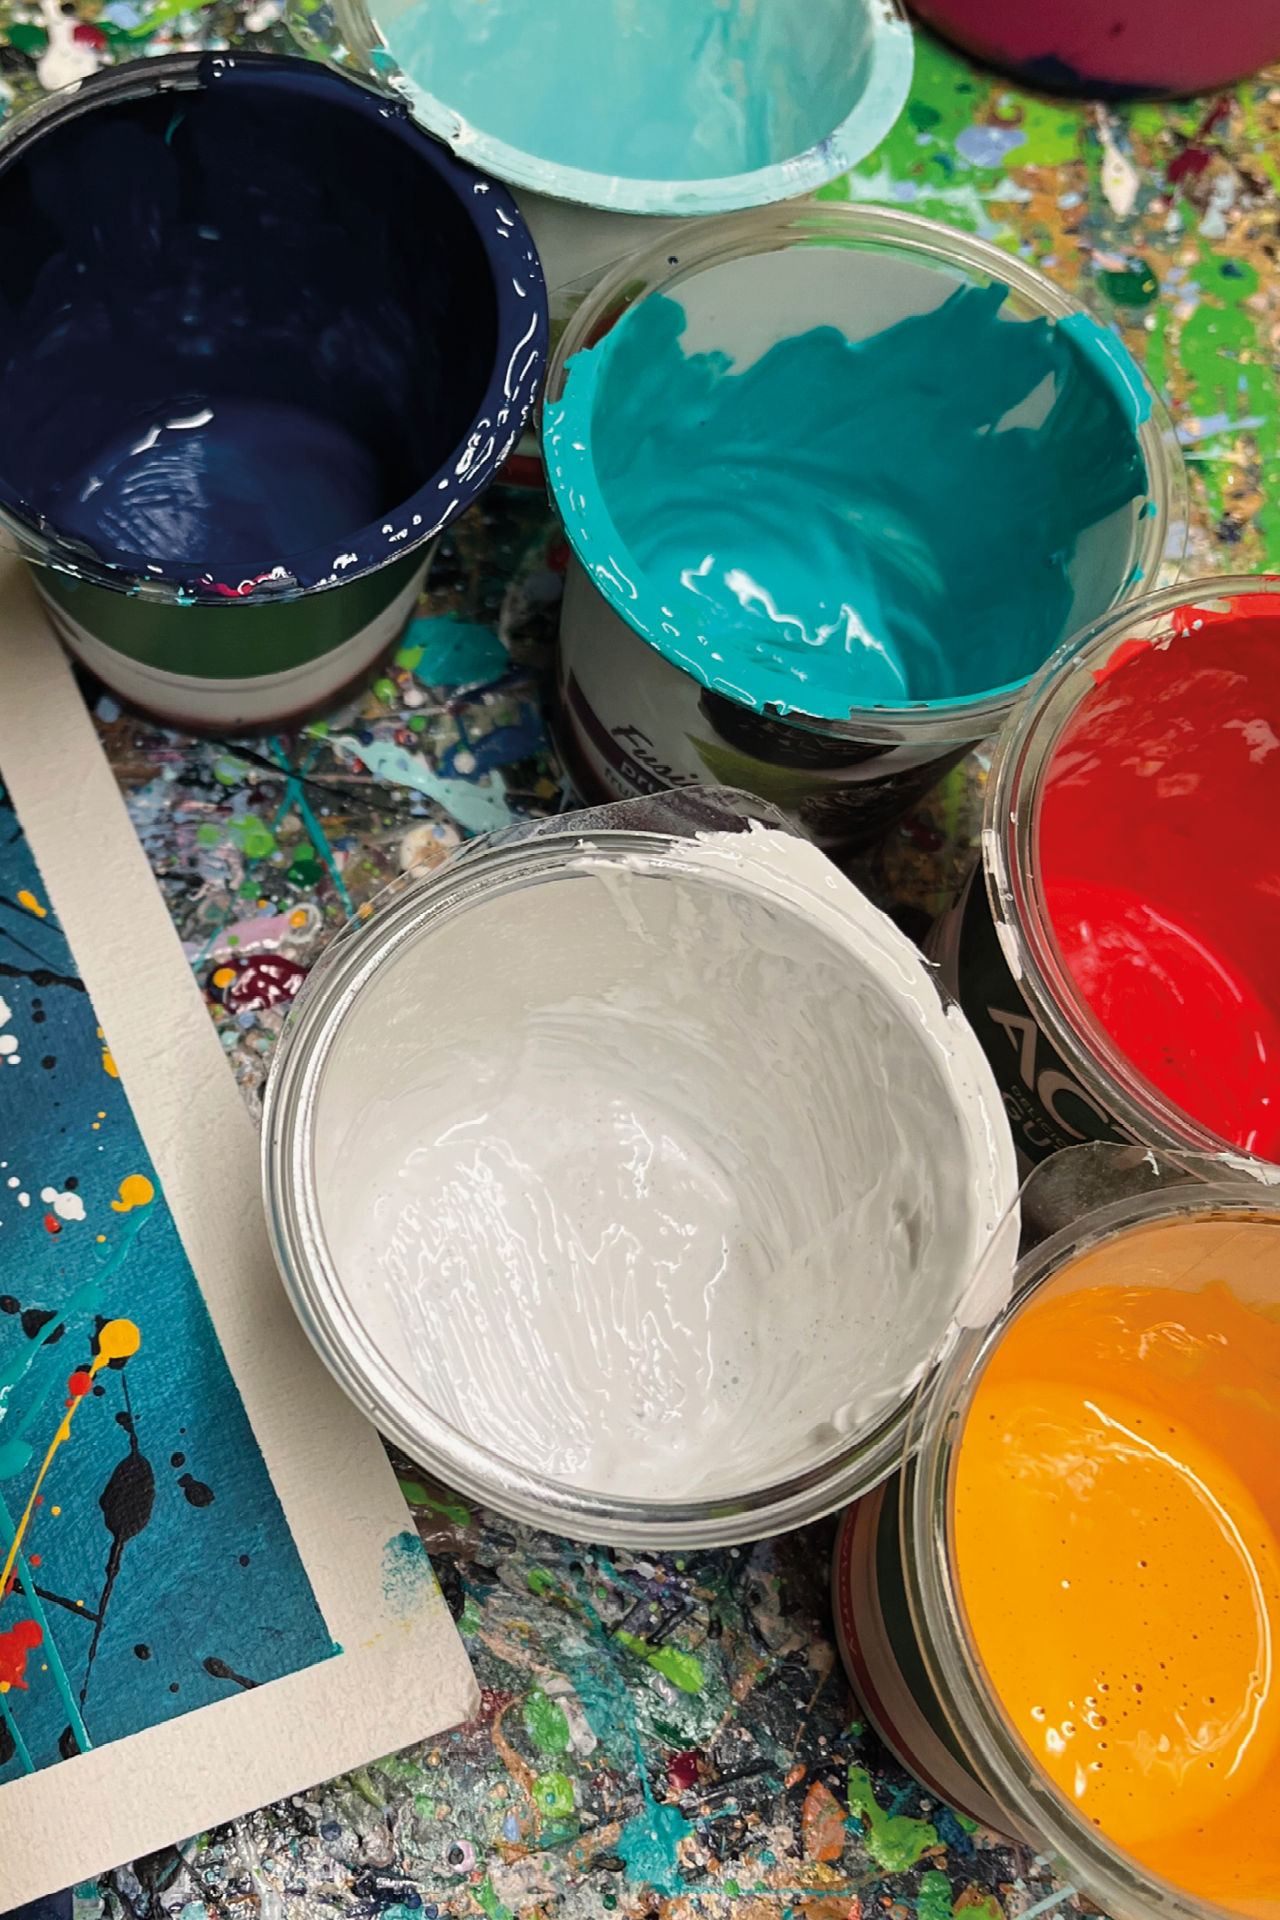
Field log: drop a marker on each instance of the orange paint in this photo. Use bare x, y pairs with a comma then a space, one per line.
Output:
1117, 1540
135, 1191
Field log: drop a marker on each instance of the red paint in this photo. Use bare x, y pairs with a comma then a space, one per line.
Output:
1133, 46
51, 1223
682, 1771
85, 34
15, 1645
265, 981
79, 1384
1160, 864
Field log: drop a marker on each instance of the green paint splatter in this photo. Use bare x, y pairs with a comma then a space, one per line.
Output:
545, 1722
893, 1841
553, 1794
469, 1621
964, 1821
385, 690
424, 1806
648, 1847
1055, 134
1133, 285
208, 835
28, 39
253, 836
985, 1909
489, 1901
934, 1899
681, 1669
451, 1507
539, 1580
1228, 373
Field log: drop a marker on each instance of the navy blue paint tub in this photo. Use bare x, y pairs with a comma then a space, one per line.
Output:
261, 340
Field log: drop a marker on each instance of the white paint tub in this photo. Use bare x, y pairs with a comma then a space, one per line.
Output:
630, 1179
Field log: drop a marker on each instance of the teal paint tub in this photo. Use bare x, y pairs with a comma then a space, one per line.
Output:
261, 341
670, 108
837, 481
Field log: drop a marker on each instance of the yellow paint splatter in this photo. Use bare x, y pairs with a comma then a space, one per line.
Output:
108, 1063
116, 1341
32, 905
224, 976
55, 1509
135, 1191
298, 918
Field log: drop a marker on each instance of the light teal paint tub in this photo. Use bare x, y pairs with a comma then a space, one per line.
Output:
662, 107
837, 481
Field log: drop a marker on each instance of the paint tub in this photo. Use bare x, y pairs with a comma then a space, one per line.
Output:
1090, 1556
1109, 48
1119, 963
628, 1172
838, 480
262, 339
685, 107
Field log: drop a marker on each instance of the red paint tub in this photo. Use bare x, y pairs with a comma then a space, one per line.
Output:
1120, 964
1103, 48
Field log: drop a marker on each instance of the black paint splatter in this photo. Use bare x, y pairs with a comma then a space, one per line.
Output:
177, 1459
126, 1502
143, 1651
7, 1747
221, 1671
50, 1060
68, 1745
244, 1559
35, 1319
72, 1606
196, 1491
39, 976
8, 1303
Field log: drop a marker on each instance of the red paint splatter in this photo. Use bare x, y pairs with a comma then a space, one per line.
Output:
51, 1223
1188, 165
265, 981
682, 1771
87, 35
34, 1559
79, 1384
14, 1648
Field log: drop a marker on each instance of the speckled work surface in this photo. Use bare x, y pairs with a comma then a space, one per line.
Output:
665, 1735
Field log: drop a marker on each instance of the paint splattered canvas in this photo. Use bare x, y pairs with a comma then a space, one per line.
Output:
210, 1593
147, 1563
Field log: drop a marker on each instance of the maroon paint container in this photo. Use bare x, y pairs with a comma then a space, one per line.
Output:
1113, 48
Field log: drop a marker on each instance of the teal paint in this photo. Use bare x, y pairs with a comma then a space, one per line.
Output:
648, 1846
408, 1582
453, 653
671, 90
847, 525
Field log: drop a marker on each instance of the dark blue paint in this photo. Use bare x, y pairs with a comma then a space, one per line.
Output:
364, 315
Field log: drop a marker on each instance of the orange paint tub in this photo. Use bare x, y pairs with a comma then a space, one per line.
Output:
1091, 1554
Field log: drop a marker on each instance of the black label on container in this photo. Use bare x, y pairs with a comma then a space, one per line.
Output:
1048, 1107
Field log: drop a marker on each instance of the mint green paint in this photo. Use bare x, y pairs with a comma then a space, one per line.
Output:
648, 1845
453, 653
545, 1722
893, 1841
849, 525
681, 1669
469, 1620
673, 90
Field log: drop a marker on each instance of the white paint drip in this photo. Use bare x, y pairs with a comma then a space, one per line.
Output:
664, 1177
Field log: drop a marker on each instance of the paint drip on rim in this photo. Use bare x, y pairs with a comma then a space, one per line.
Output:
912, 518
681, 1182
1157, 860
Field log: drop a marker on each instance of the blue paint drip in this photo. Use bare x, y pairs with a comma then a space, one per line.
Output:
671, 90
883, 523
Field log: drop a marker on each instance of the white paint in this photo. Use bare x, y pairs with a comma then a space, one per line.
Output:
664, 1176
65, 59
67, 1206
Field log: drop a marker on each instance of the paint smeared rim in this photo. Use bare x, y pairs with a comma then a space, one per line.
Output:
520, 305
351, 968
1000, 1758
663, 266
1011, 850
350, 36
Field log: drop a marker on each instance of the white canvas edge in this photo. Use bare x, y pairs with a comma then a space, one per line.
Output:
403, 1673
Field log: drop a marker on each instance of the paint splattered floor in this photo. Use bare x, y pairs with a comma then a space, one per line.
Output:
669, 1735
